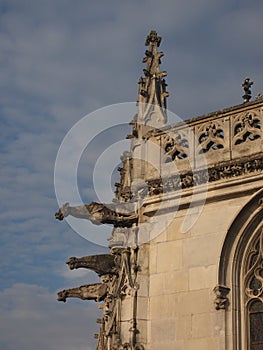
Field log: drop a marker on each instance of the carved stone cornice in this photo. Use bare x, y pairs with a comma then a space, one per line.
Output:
219, 172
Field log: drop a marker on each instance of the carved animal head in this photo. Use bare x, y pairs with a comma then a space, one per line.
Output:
62, 296
59, 215
63, 212
72, 262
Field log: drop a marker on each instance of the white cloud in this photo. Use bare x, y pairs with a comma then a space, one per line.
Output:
59, 61
31, 318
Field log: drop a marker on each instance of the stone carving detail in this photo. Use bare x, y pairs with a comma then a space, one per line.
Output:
221, 172
175, 147
118, 214
118, 288
127, 346
247, 89
123, 189
253, 279
118, 270
118, 273
123, 237
221, 300
102, 264
152, 87
247, 127
96, 291
211, 137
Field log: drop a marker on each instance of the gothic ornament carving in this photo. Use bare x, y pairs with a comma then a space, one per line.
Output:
247, 83
247, 127
221, 172
118, 279
118, 288
96, 291
175, 147
152, 87
123, 237
102, 264
119, 214
123, 188
211, 136
221, 300
253, 279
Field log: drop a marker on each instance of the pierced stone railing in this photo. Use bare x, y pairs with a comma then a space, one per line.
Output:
219, 145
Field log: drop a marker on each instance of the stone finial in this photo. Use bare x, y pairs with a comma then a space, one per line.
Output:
247, 91
259, 96
153, 38
152, 86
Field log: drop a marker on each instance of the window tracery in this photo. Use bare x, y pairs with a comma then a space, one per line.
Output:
253, 288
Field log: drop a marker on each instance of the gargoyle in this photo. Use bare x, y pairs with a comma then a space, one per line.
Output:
118, 214
96, 291
102, 264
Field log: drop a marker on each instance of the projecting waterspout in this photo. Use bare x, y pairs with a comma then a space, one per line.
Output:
119, 215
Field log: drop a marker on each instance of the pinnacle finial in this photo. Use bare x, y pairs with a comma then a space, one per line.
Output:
153, 38
152, 87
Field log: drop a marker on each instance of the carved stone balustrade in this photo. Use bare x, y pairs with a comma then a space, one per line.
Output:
219, 145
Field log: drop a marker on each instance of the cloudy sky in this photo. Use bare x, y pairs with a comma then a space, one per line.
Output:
61, 60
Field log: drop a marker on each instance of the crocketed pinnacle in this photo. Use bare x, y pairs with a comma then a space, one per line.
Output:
152, 86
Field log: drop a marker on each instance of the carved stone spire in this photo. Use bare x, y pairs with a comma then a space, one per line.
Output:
152, 87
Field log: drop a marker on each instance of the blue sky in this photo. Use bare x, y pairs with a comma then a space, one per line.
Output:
61, 60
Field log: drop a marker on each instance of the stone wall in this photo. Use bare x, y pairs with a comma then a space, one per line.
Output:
186, 307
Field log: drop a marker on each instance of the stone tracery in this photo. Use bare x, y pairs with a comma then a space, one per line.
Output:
118, 270
247, 127
211, 136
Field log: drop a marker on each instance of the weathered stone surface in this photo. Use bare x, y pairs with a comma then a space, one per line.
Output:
201, 181
96, 291
120, 214
102, 264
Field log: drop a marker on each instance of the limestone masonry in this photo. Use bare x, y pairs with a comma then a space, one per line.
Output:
185, 263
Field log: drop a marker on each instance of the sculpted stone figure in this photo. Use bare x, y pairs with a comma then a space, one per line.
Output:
96, 291
118, 214
102, 264
247, 91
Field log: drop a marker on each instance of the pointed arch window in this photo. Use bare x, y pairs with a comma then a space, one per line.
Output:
253, 293
241, 274
256, 325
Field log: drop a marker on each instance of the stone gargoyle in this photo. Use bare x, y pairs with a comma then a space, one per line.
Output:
102, 264
96, 291
118, 214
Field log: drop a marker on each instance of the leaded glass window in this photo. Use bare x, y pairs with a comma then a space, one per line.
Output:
254, 293
256, 325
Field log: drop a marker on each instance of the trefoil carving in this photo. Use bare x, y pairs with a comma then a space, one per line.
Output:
175, 147
211, 137
246, 128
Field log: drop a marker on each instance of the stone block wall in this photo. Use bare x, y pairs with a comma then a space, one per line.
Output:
183, 272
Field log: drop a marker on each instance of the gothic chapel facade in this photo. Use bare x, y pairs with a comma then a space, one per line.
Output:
185, 264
